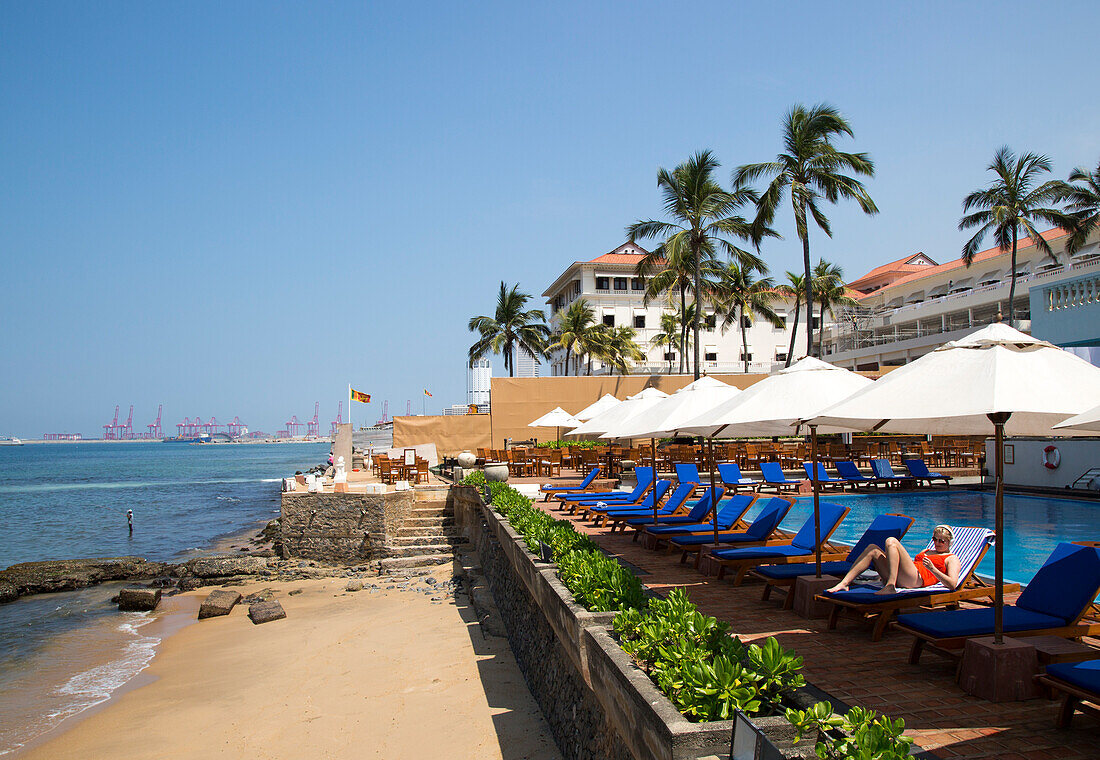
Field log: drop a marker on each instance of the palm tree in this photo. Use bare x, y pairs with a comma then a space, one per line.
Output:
740, 296
811, 169
1083, 203
831, 292
577, 333
704, 217
793, 288
1010, 204
511, 326
669, 336
621, 348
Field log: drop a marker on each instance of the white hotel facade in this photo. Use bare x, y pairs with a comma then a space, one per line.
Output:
616, 293
907, 308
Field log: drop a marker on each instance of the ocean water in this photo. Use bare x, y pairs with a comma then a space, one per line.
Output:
63, 653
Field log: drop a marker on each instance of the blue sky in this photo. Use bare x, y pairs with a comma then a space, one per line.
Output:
239, 208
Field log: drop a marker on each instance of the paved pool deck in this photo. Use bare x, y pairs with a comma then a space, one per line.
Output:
940, 717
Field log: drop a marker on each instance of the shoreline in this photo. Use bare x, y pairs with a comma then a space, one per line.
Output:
345, 670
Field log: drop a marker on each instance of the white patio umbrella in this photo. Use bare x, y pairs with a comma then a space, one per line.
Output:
556, 418
619, 413
664, 417
776, 404
995, 378
1086, 422
605, 402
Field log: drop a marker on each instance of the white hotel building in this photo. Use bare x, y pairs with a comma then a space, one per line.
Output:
616, 294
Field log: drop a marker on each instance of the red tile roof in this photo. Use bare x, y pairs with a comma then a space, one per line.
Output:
989, 253
617, 258
894, 267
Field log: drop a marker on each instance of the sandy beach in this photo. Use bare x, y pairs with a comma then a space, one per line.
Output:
373, 673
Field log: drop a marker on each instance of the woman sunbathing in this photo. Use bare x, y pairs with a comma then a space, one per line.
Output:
898, 570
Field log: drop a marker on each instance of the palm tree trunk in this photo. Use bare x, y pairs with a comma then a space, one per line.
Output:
744, 339
821, 333
698, 314
794, 328
809, 293
1012, 286
683, 327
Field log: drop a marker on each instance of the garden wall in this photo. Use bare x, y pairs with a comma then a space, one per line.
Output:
596, 701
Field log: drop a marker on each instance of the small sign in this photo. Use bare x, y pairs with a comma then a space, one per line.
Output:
1010, 453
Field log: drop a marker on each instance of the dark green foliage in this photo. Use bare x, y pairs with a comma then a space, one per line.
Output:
860, 735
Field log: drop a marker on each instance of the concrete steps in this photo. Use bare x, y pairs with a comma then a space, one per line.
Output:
419, 550
401, 564
440, 530
429, 522
428, 538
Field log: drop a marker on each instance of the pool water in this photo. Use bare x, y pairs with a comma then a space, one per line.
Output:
1034, 525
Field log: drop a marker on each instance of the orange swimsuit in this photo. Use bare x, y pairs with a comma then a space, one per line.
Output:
939, 561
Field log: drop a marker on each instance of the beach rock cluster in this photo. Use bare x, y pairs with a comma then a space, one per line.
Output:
71, 574
138, 599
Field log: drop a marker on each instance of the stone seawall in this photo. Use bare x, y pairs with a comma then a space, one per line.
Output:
343, 527
596, 701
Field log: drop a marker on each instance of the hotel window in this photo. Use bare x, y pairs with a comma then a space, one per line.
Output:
609, 320
817, 322
670, 356
746, 321
603, 283
620, 283
639, 321
711, 354
710, 321
637, 283
746, 357
782, 322
576, 287
781, 356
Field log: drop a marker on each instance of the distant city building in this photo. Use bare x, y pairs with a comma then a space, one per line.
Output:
911, 306
455, 410
526, 364
479, 377
611, 286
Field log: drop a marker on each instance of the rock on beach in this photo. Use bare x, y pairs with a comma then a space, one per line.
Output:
218, 603
70, 574
265, 612
138, 599
218, 567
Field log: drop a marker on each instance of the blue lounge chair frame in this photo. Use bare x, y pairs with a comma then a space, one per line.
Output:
801, 546
848, 470
645, 482
696, 512
919, 470
730, 472
1079, 682
573, 489
970, 545
675, 505
784, 576
731, 513
774, 478
757, 533
1057, 602
653, 496
885, 474
824, 479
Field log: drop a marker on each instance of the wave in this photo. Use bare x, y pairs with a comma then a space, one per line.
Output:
45, 487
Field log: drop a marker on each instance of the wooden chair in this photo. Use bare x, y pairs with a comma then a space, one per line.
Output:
386, 472
550, 462
422, 473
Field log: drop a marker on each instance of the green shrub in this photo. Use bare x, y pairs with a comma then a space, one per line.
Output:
860, 735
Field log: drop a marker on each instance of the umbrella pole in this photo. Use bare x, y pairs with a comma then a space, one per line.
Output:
816, 487
999, 419
653, 461
713, 501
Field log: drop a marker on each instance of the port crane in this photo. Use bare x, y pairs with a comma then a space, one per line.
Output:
109, 429
154, 430
312, 425
336, 423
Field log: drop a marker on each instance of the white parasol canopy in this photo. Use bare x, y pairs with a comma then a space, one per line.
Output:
995, 380
557, 417
951, 390
605, 402
1086, 422
774, 405
666, 416
621, 412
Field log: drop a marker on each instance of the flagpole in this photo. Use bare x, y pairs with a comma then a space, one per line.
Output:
350, 402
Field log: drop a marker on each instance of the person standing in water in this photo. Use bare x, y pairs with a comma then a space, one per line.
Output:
130, 520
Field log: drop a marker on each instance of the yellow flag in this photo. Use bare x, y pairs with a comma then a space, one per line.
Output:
360, 397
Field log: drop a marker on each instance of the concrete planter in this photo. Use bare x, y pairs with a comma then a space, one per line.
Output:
496, 473
466, 460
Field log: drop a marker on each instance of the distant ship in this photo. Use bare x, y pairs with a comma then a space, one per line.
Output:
10, 442
204, 438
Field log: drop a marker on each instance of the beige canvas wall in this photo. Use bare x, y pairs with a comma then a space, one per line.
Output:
451, 435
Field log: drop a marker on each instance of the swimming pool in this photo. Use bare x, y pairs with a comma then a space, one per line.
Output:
1034, 525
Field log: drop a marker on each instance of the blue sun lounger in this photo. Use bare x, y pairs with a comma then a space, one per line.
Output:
645, 480
969, 545
756, 534
1080, 683
1055, 603
618, 516
655, 495
730, 514
884, 473
774, 478
851, 473
550, 490
687, 473
803, 545
699, 510
731, 476
823, 477
880, 529
919, 470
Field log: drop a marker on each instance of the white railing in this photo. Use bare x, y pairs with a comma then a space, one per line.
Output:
1072, 295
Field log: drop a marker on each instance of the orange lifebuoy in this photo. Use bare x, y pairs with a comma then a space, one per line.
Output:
1051, 458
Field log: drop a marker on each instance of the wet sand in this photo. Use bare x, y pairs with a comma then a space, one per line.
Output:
346, 675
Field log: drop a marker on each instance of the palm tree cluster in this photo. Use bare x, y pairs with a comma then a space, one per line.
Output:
582, 338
